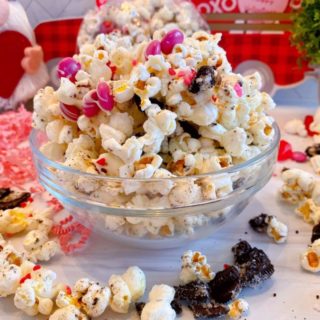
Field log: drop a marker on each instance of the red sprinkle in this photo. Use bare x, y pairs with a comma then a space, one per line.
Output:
134, 62
30, 215
26, 277
307, 122
226, 266
285, 151
30, 199
101, 162
172, 72
9, 235
68, 290
299, 156
23, 204
36, 267
112, 67
214, 98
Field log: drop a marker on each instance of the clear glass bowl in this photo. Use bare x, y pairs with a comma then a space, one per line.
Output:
155, 213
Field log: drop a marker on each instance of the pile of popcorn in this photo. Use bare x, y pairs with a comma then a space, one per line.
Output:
139, 19
165, 108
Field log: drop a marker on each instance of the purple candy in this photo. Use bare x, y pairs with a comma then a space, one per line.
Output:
153, 49
90, 104
171, 39
68, 68
299, 156
105, 97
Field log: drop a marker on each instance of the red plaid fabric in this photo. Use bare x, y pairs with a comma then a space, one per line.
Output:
273, 49
58, 38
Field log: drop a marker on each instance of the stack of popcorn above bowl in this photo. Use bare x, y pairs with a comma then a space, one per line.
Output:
154, 141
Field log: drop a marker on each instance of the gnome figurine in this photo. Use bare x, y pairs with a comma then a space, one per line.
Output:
23, 71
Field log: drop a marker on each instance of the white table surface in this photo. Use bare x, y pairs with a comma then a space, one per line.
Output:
295, 289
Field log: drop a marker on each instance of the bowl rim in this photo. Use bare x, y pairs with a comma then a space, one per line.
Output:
232, 169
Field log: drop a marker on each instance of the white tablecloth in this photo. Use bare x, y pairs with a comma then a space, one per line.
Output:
295, 289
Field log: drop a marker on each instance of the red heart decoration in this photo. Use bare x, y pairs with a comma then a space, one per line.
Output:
12, 46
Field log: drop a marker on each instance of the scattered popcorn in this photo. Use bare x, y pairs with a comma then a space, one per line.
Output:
296, 127
309, 211
194, 266
315, 163
238, 308
310, 260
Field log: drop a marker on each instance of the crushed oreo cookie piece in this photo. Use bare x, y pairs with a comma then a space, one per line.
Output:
13, 200
208, 310
315, 233
254, 265
225, 285
190, 128
259, 223
139, 307
176, 306
4, 192
159, 103
194, 291
313, 150
204, 79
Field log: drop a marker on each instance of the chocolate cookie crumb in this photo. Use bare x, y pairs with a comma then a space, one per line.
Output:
4, 192
274, 294
13, 200
315, 233
255, 266
225, 285
139, 307
259, 223
190, 128
317, 297
313, 150
176, 306
204, 79
194, 291
297, 231
208, 310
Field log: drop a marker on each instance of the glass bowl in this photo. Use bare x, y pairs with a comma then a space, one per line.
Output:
155, 213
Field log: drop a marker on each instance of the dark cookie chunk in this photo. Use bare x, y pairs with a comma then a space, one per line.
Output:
204, 79
225, 285
208, 310
260, 223
190, 128
315, 233
176, 306
193, 291
13, 199
313, 150
4, 192
139, 307
159, 103
255, 266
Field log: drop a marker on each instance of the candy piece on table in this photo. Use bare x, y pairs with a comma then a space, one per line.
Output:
313, 150
238, 308
195, 291
315, 163
68, 68
296, 127
310, 260
194, 266
254, 265
226, 285
285, 151
159, 305
171, 39
299, 156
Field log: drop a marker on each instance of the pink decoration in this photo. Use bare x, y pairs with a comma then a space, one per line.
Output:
238, 89
187, 75
105, 98
16, 166
100, 3
255, 6
32, 60
68, 68
285, 150
171, 39
299, 156
4, 11
71, 113
90, 104
153, 49
12, 46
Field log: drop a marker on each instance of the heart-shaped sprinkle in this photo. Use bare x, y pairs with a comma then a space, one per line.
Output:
307, 122
285, 151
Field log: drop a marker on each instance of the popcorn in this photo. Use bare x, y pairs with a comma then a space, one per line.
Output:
310, 260
159, 306
120, 294
136, 281
238, 308
184, 193
296, 127
315, 163
68, 313
194, 266
277, 230
14, 220
309, 211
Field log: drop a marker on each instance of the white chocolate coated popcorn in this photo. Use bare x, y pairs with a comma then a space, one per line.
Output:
310, 260
195, 266
296, 127
120, 294
136, 281
238, 308
277, 230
